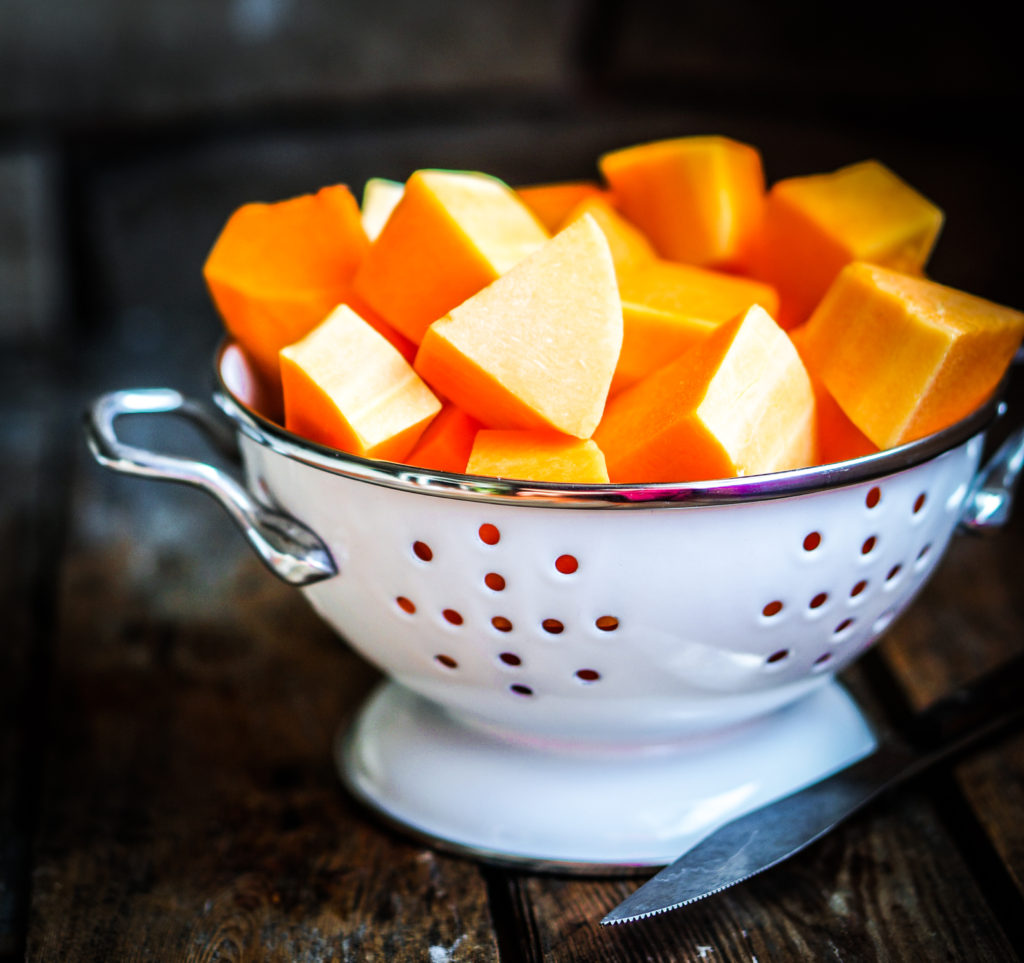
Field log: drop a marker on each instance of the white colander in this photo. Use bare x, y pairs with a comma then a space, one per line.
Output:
590, 677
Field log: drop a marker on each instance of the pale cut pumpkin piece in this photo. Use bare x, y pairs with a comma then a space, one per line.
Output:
537, 348
551, 203
380, 195
668, 307
740, 403
447, 441
277, 270
406, 348
816, 224
540, 456
347, 387
698, 199
839, 439
451, 234
625, 241
904, 356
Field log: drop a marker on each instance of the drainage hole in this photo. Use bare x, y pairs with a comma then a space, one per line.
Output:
812, 541
566, 564
422, 551
489, 534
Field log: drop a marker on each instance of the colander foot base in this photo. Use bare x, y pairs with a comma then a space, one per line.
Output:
596, 811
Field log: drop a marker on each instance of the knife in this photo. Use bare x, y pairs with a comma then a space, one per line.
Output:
765, 837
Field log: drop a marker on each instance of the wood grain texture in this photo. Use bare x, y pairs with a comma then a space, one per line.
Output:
889, 884
191, 810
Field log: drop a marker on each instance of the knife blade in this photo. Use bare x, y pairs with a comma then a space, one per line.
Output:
767, 836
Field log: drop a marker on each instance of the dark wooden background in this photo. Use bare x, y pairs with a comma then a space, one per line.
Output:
167, 708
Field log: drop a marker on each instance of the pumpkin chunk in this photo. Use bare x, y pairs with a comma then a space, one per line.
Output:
815, 225
405, 347
380, 195
698, 199
740, 403
905, 356
347, 387
551, 203
669, 307
626, 242
450, 234
537, 348
446, 443
839, 439
277, 270
541, 456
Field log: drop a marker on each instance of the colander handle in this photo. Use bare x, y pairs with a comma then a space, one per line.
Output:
289, 549
989, 503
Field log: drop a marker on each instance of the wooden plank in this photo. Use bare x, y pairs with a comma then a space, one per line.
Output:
888, 884
872, 891
190, 808
968, 620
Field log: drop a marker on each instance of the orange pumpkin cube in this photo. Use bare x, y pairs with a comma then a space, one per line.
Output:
669, 307
551, 203
839, 439
815, 225
698, 199
446, 443
740, 403
537, 348
904, 356
540, 456
450, 235
347, 387
625, 241
277, 270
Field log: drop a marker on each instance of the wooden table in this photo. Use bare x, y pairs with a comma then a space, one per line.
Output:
169, 708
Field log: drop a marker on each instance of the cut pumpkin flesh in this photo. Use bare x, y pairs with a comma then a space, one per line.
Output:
627, 243
668, 308
815, 225
551, 203
740, 403
698, 199
347, 387
537, 348
380, 195
446, 443
450, 234
277, 270
839, 439
542, 456
904, 356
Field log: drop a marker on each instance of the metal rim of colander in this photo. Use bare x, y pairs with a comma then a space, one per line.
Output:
565, 495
